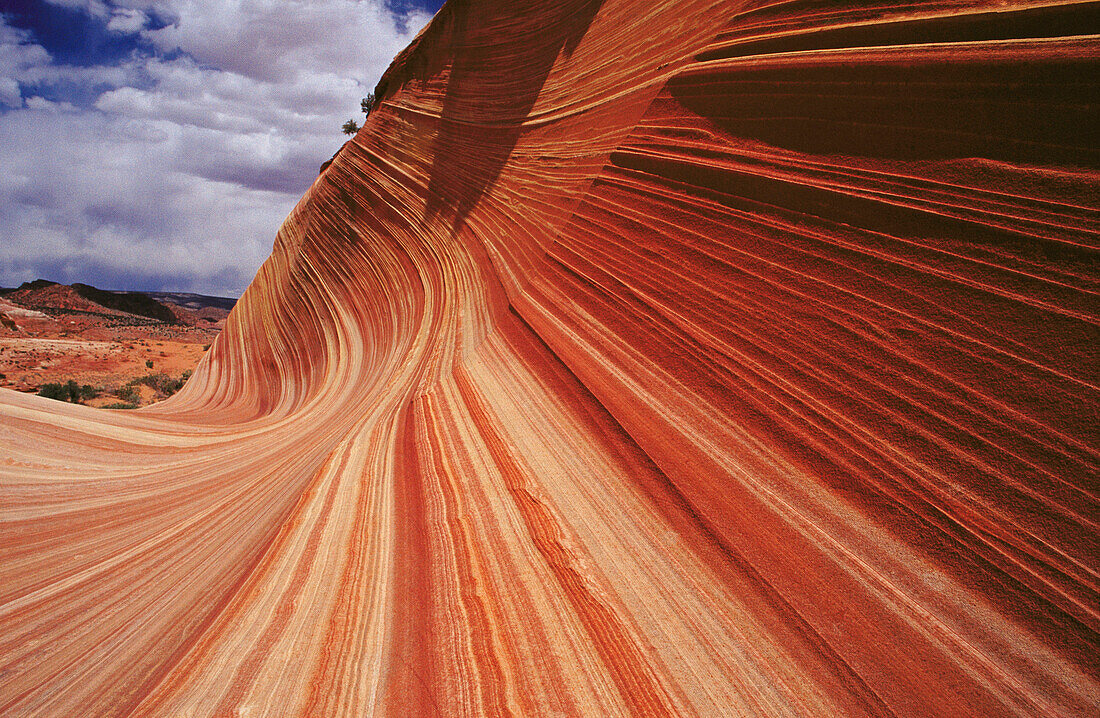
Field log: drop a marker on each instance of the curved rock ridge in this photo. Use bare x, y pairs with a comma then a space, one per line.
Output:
686, 358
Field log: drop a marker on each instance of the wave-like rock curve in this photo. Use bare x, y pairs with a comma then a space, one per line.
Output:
715, 358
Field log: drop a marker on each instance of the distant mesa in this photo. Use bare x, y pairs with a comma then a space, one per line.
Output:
130, 302
194, 302
43, 298
35, 285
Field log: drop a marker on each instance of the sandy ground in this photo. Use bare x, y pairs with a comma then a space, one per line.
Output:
74, 339
26, 363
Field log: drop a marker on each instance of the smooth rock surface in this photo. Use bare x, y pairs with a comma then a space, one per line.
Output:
687, 358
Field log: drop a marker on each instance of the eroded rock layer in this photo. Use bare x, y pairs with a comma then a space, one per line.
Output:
687, 358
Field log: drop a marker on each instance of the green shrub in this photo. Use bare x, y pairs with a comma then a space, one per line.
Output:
160, 383
129, 394
69, 391
350, 127
148, 363
120, 405
54, 391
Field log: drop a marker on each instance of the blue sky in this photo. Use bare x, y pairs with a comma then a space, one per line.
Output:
158, 144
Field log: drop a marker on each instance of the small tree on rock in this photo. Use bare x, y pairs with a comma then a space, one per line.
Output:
350, 127
367, 103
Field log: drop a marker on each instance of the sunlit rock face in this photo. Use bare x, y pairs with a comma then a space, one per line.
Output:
686, 358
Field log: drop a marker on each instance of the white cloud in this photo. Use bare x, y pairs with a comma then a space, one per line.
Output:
127, 20
42, 104
275, 40
19, 57
179, 173
75, 178
95, 8
9, 92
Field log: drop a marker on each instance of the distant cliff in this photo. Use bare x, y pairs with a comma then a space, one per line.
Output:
685, 358
83, 298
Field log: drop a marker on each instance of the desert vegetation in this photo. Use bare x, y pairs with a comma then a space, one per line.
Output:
70, 391
129, 394
366, 105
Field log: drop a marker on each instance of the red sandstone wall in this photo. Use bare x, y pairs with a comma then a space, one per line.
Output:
692, 358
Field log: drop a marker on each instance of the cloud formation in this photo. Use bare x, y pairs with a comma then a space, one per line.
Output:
168, 154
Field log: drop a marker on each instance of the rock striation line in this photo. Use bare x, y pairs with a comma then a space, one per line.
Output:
688, 358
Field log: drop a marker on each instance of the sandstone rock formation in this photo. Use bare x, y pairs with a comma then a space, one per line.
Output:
686, 358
